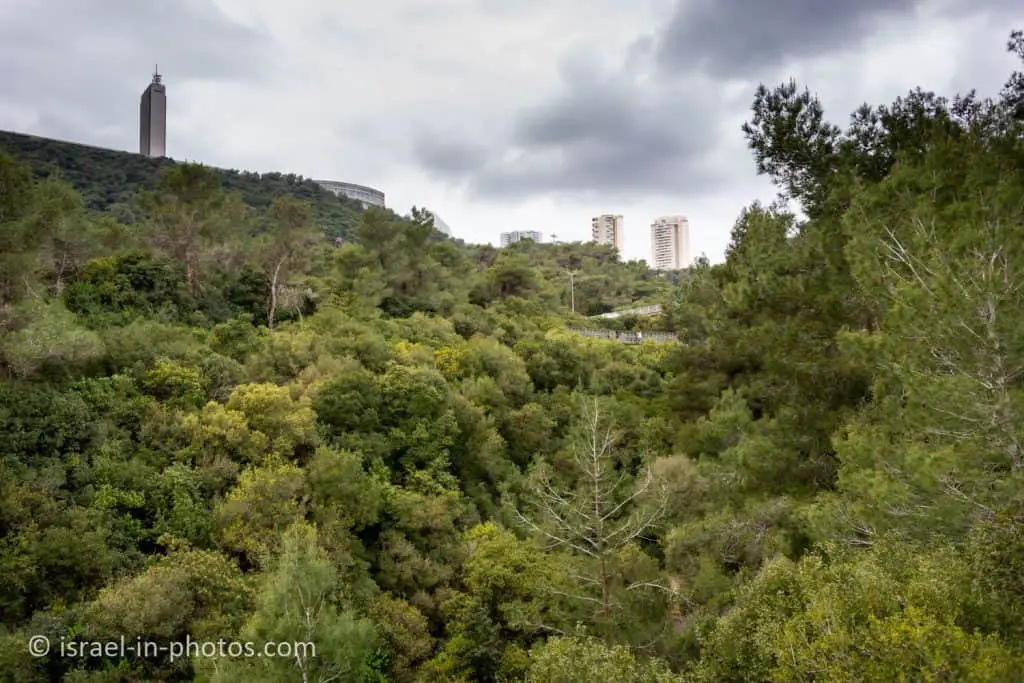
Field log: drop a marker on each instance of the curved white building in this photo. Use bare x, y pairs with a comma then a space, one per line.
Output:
369, 196
439, 224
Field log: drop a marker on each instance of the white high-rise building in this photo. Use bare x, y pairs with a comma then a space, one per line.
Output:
508, 238
607, 229
670, 243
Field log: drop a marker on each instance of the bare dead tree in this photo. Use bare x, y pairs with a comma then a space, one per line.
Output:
973, 298
600, 514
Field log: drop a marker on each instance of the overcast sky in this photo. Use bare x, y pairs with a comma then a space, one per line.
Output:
497, 114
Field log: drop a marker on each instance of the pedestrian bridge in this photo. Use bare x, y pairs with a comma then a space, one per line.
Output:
654, 309
630, 337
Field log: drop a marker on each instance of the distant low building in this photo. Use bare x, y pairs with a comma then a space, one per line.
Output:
508, 238
439, 224
369, 196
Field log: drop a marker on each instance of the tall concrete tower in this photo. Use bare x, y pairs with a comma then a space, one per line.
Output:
153, 119
607, 229
670, 243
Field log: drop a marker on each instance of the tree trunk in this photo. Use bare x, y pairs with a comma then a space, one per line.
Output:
605, 580
272, 311
190, 274
59, 284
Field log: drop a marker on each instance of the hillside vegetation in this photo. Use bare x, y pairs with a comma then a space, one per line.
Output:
217, 425
110, 181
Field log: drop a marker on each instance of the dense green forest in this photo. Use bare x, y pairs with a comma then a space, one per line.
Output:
217, 425
110, 181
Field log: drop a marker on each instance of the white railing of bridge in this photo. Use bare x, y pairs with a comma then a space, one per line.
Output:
629, 337
643, 310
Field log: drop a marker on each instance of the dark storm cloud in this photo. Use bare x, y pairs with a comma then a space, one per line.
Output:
738, 38
85, 64
448, 157
608, 139
665, 134
605, 135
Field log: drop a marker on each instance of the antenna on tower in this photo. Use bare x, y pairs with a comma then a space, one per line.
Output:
156, 73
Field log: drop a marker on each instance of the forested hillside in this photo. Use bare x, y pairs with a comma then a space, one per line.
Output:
216, 425
110, 181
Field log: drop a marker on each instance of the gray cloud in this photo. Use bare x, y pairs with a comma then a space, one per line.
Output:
83, 65
744, 38
447, 156
608, 139
605, 135
659, 125
736, 37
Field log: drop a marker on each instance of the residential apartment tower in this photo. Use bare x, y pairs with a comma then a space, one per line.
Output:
670, 243
607, 229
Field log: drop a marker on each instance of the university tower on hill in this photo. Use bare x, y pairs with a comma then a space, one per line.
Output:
153, 119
